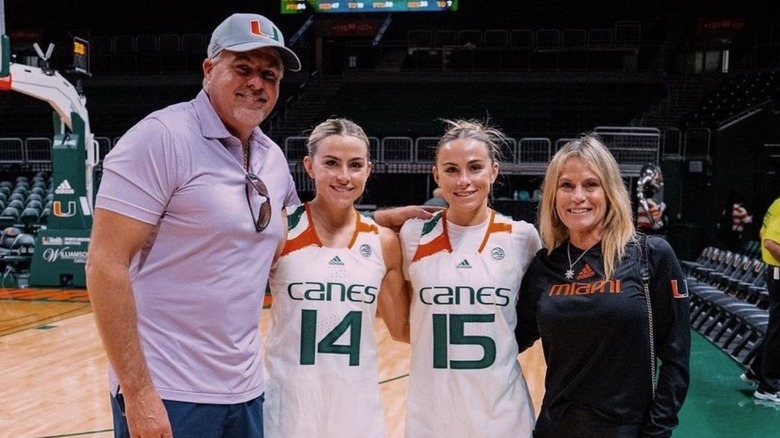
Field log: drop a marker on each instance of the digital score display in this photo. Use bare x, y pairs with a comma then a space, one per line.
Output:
302, 6
80, 55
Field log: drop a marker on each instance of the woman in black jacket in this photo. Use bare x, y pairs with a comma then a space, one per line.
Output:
607, 303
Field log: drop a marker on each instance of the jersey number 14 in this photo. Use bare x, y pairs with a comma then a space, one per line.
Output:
310, 347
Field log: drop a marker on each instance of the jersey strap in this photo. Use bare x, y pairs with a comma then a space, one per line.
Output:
498, 224
301, 232
435, 239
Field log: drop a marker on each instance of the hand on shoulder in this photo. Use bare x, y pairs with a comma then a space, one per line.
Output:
395, 217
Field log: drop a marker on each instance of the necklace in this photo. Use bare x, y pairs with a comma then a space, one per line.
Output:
570, 273
245, 148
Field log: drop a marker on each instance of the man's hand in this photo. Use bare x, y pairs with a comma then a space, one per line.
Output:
395, 217
146, 415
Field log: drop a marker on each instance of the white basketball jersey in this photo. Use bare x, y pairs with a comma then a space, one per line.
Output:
465, 379
321, 358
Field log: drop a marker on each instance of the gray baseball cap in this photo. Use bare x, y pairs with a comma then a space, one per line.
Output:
245, 32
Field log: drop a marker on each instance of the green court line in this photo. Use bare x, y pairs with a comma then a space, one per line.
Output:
393, 378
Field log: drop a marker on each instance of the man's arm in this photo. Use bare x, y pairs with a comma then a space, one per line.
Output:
773, 248
395, 217
114, 241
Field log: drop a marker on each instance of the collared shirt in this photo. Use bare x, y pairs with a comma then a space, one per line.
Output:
199, 280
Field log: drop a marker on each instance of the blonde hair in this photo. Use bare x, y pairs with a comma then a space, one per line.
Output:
336, 126
477, 130
618, 226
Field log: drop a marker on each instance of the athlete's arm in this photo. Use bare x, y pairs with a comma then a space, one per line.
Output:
393, 295
114, 241
283, 239
395, 217
527, 329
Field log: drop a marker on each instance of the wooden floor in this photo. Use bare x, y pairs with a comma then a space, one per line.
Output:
53, 380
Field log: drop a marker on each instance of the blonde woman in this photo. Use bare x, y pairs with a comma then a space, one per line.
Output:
607, 305
333, 271
464, 266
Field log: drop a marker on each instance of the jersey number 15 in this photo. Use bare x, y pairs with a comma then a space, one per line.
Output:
446, 333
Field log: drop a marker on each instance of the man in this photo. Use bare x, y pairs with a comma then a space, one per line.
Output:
187, 219
764, 371
732, 223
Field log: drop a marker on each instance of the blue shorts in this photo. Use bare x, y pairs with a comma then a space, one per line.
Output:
242, 420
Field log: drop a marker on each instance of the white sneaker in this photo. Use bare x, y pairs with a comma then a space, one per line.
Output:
768, 396
749, 378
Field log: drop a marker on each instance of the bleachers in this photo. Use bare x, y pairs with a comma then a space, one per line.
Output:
520, 108
148, 53
25, 205
734, 97
728, 299
601, 49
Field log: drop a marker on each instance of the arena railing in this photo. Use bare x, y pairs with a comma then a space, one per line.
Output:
632, 146
35, 150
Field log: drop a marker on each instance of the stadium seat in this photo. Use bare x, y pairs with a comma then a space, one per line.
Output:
15, 203
16, 196
7, 238
9, 214
44, 219
34, 203
523, 196
18, 259
29, 218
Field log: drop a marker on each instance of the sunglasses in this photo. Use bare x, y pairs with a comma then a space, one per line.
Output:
264, 214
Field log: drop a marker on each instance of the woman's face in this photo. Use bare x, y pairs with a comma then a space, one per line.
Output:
581, 202
340, 169
465, 173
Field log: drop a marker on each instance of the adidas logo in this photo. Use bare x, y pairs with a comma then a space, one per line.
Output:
586, 272
336, 261
464, 265
64, 188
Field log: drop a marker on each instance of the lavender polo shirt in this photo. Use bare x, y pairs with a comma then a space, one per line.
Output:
199, 282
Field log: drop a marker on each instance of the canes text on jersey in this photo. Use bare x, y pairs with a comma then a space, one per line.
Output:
316, 291
457, 295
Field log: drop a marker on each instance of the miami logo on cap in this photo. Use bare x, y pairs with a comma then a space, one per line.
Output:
257, 30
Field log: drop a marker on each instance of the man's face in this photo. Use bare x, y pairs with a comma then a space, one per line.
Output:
243, 87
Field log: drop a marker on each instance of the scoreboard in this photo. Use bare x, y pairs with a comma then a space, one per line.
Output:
80, 56
302, 6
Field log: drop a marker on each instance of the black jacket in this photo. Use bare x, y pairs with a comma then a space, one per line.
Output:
596, 341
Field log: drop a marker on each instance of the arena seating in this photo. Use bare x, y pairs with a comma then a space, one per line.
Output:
728, 299
25, 205
520, 108
735, 96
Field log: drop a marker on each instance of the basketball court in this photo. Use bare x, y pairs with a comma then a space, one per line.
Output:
54, 384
